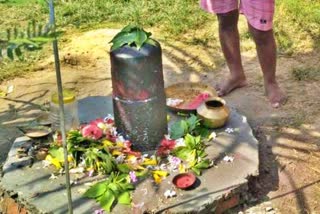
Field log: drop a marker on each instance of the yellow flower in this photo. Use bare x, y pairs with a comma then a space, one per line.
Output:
182, 168
70, 158
159, 175
116, 153
107, 143
149, 162
54, 161
120, 144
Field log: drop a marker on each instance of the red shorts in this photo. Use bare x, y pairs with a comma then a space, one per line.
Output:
259, 13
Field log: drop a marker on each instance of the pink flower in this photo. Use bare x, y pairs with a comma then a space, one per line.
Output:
92, 131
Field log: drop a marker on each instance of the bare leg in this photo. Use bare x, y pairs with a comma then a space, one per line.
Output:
266, 50
230, 44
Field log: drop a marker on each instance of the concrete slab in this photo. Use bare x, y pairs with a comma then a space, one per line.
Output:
30, 181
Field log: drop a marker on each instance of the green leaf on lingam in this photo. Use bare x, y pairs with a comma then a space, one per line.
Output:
133, 36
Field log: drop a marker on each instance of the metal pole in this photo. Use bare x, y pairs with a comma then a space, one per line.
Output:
61, 105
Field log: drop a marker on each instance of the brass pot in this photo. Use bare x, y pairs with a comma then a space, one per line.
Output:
214, 113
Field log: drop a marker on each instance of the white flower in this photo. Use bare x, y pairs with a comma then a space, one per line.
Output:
229, 130
53, 177
167, 137
212, 136
180, 142
121, 139
120, 159
169, 193
163, 166
145, 155
77, 170
173, 102
109, 116
114, 131
228, 158
45, 163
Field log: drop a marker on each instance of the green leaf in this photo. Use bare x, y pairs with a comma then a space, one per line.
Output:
18, 53
125, 198
106, 200
130, 35
141, 38
116, 189
10, 53
124, 168
190, 141
205, 164
196, 170
182, 152
96, 190
177, 130
127, 186
57, 152
192, 122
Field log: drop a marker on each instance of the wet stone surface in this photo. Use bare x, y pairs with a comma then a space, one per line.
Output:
38, 192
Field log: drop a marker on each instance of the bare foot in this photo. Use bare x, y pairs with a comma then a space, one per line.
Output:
275, 95
230, 84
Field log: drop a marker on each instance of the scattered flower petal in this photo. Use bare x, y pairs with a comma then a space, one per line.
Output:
228, 159
53, 177
212, 136
229, 130
139, 206
170, 193
90, 174
76, 170
99, 211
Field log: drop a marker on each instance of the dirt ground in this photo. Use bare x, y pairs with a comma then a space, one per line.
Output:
289, 180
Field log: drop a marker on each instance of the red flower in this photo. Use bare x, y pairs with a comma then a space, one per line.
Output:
127, 149
97, 121
165, 147
169, 144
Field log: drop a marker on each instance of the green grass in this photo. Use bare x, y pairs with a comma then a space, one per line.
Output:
306, 73
297, 22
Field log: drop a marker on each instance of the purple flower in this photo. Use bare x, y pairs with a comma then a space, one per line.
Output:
100, 211
133, 177
91, 173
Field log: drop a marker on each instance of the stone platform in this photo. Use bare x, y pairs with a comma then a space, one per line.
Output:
219, 187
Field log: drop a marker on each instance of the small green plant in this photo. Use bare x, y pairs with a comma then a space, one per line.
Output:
133, 36
33, 38
193, 153
116, 189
